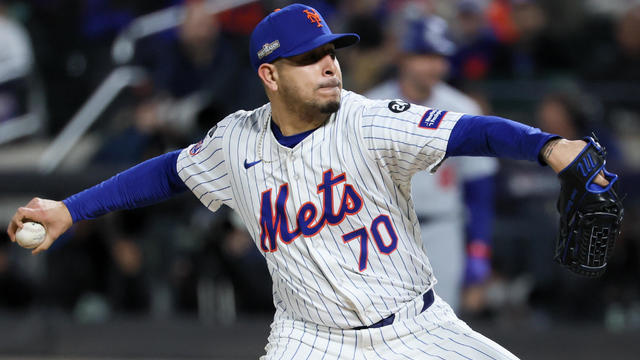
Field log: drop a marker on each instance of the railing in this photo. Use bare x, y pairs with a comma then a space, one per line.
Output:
122, 51
119, 79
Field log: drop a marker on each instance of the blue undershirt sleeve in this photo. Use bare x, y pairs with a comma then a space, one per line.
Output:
477, 135
144, 184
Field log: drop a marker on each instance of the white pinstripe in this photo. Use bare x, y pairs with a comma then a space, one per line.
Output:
318, 286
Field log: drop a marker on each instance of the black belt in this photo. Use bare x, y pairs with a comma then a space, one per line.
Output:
426, 219
426, 297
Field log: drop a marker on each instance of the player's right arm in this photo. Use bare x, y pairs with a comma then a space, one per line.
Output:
149, 182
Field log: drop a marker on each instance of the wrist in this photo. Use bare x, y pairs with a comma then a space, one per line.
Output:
66, 214
559, 153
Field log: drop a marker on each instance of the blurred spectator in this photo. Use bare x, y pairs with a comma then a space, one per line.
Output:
368, 63
460, 194
531, 49
194, 77
128, 287
574, 115
478, 46
199, 67
16, 66
622, 61
371, 60
137, 132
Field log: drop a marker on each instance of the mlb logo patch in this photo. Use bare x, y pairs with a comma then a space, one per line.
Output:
431, 119
196, 148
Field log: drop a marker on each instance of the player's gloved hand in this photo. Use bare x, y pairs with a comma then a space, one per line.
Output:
478, 263
591, 213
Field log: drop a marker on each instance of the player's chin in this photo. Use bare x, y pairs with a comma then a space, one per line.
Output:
328, 101
329, 107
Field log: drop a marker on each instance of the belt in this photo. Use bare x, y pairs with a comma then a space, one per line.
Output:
426, 297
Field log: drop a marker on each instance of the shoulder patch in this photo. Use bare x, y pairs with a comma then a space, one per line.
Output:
431, 119
398, 106
195, 149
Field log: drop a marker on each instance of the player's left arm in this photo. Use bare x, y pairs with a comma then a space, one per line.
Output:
591, 212
498, 137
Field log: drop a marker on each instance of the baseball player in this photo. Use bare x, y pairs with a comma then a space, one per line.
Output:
321, 177
463, 185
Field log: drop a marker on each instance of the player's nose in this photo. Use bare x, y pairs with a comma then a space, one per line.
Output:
329, 67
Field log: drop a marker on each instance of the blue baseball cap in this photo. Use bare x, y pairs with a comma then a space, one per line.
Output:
291, 31
428, 35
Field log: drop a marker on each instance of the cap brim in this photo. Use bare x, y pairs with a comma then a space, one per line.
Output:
339, 40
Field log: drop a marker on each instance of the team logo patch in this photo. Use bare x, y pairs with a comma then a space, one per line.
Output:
431, 119
196, 148
398, 106
268, 48
314, 17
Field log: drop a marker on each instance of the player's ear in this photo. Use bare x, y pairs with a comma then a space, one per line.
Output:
268, 73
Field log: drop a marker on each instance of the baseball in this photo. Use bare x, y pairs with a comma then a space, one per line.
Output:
31, 235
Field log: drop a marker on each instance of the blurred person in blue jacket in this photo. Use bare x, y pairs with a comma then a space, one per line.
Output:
457, 202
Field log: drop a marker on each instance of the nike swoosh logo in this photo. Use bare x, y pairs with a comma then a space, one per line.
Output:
248, 165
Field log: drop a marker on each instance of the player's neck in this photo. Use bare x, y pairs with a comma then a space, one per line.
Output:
294, 121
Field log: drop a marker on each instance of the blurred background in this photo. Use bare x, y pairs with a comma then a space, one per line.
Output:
91, 87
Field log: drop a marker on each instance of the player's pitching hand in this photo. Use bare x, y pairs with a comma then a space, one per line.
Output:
53, 215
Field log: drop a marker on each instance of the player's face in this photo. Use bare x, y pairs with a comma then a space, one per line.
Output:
312, 80
423, 71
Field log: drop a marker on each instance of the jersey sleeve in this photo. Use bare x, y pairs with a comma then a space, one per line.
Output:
405, 138
203, 168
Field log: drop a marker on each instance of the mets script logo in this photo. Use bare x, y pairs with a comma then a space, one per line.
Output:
310, 220
314, 17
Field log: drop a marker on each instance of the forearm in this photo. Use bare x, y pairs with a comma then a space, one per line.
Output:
496, 137
149, 182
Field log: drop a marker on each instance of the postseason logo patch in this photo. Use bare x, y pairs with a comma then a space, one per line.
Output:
431, 119
196, 148
268, 48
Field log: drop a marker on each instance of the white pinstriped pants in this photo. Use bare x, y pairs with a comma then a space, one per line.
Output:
437, 333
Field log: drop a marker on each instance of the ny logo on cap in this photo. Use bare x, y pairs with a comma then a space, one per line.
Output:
313, 17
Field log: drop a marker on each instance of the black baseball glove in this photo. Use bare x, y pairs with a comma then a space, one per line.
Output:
590, 215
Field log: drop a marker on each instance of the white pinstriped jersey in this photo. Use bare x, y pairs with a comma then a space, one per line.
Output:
333, 215
443, 191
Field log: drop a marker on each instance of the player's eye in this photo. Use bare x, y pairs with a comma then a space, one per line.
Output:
313, 57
